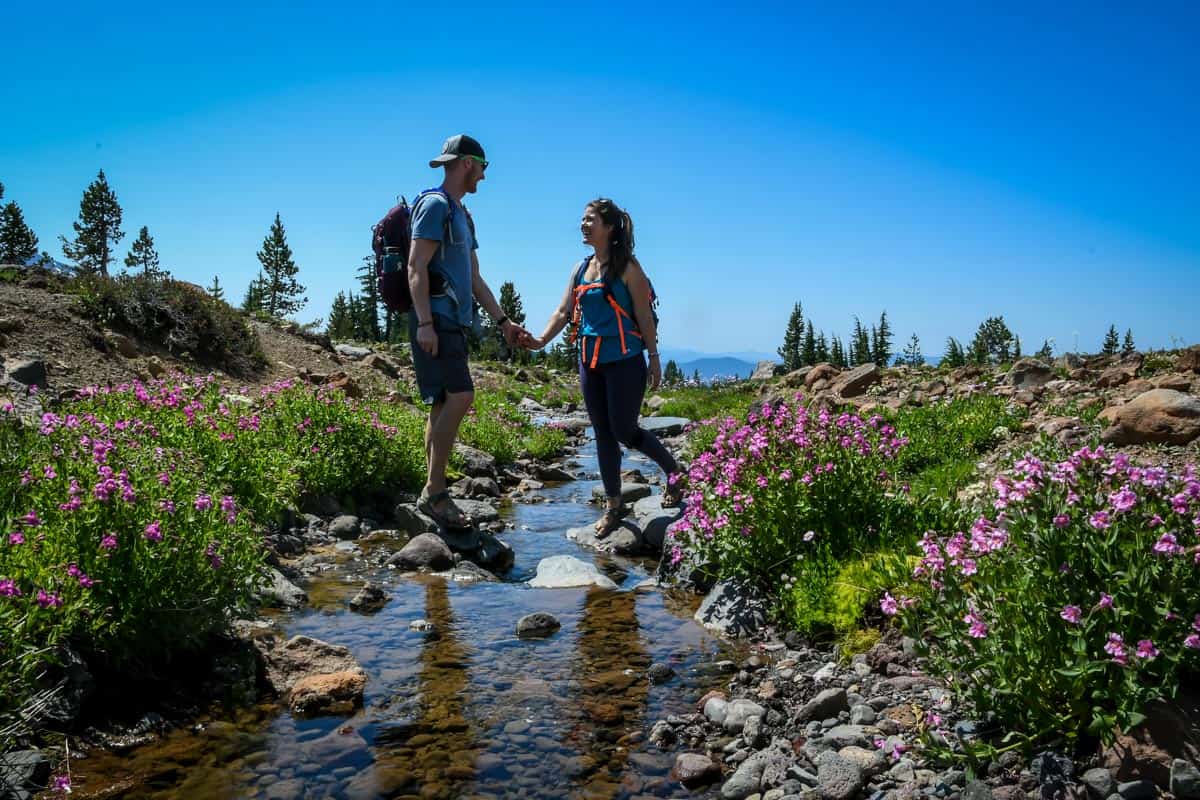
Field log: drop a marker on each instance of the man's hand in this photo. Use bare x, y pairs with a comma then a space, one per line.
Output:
654, 374
515, 334
427, 339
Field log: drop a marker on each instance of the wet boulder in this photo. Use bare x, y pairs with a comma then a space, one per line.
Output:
345, 527
625, 540
425, 552
314, 677
653, 520
558, 572
371, 597
734, 609
277, 590
630, 492
537, 625
475, 463
664, 426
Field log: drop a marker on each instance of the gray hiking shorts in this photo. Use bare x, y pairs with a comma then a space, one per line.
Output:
448, 371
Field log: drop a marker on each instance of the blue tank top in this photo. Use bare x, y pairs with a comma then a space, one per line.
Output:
605, 334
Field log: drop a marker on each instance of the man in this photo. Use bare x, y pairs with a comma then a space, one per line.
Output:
444, 244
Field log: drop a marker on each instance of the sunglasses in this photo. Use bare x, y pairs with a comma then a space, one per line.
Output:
482, 163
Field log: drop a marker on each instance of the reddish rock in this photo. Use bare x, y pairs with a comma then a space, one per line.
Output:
704, 700
1180, 383
1160, 416
1118, 375
1189, 360
857, 381
344, 382
1029, 373
821, 372
1147, 750
329, 693
694, 770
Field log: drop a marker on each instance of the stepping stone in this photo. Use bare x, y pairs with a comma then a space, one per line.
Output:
664, 426
560, 572
630, 492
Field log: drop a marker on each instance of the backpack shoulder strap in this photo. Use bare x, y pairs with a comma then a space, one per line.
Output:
582, 268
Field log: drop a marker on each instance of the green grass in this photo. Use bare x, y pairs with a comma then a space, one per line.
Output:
705, 402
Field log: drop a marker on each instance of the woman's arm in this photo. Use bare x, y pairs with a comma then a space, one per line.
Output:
561, 315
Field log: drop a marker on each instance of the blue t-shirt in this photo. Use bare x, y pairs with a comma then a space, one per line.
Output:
598, 324
452, 260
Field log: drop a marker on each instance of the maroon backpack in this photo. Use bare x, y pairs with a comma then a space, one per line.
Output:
391, 239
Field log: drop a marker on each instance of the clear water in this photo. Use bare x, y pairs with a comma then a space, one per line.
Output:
469, 711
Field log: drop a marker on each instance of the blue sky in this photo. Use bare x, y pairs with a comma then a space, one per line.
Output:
943, 162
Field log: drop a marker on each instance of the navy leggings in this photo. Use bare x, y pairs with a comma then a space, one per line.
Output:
613, 394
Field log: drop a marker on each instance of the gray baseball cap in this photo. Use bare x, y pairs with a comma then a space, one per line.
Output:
456, 147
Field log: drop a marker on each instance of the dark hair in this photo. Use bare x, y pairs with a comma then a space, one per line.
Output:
620, 246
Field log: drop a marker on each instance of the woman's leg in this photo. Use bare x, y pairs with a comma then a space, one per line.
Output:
626, 386
592, 383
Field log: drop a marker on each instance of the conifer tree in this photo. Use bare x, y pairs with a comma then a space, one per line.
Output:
142, 255
837, 354
912, 353
368, 281
97, 230
18, 243
1046, 353
252, 303
281, 293
822, 348
793, 337
1016, 348
1111, 341
672, 375
954, 355
881, 344
808, 353
860, 344
340, 326
510, 303
992, 344
216, 291
1127, 347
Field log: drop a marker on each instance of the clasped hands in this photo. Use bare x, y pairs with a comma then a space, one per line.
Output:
518, 336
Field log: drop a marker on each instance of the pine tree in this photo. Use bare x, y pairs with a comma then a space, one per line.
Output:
1128, 348
215, 291
1111, 341
18, 243
822, 348
789, 351
912, 353
1046, 353
954, 355
143, 255
837, 354
1016, 348
510, 303
992, 344
881, 344
282, 294
369, 282
252, 303
672, 375
98, 229
808, 353
340, 326
696, 376
860, 344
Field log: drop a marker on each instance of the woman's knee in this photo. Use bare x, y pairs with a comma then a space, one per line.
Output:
631, 436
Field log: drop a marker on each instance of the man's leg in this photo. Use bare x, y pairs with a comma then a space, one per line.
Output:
440, 433
435, 411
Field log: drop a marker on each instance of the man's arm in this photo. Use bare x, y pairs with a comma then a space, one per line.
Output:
419, 257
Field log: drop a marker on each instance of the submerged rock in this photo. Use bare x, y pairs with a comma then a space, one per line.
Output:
537, 625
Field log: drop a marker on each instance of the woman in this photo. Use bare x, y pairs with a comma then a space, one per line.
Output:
608, 297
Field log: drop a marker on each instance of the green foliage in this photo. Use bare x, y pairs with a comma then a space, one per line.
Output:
1155, 362
367, 319
97, 230
793, 336
912, 353
216, 292
1128, 348
954, 356
852, 587
143, 256
1046, 352
837, 353
672, 375
707, 402
945, 439
545, 442
993, 343
174, 314
808, 351
784, 498
860, 344
18, 243
281, 293
1067, 613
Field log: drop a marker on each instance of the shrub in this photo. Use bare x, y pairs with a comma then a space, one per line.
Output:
546, 442
114, 539
1074, 604
789, 494
179, 316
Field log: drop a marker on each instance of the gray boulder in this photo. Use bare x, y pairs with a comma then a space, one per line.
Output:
838, 778
345, 527
23, 772
625, 540
371, 597
493, 554
277, 590
27, 371
664, 426
1160, 416
475, 463
1185, 780
424, 552
763, 370
1099, 782
559, 572
353, 352
653, 520
695, 770
1029, 373
738, 712
733, 609
412, 521
537, 625
828, 703
630, 492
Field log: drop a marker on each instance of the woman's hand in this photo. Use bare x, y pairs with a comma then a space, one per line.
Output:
654, 374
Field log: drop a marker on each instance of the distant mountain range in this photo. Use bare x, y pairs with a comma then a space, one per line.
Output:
51, 264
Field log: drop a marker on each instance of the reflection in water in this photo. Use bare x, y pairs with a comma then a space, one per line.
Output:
435, 752
611, 662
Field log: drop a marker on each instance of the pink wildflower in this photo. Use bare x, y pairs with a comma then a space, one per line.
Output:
8, 588
1099, 520
1071, 614
48, 599
1146, 650
1192, 642
1106, 600
888, 605
1167, 545
1115, 647
978, 628
203, 502
1123, 500
1062, 520
153, 531
109, 542
16, 537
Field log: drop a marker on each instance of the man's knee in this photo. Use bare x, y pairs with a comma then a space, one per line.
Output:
459, 402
